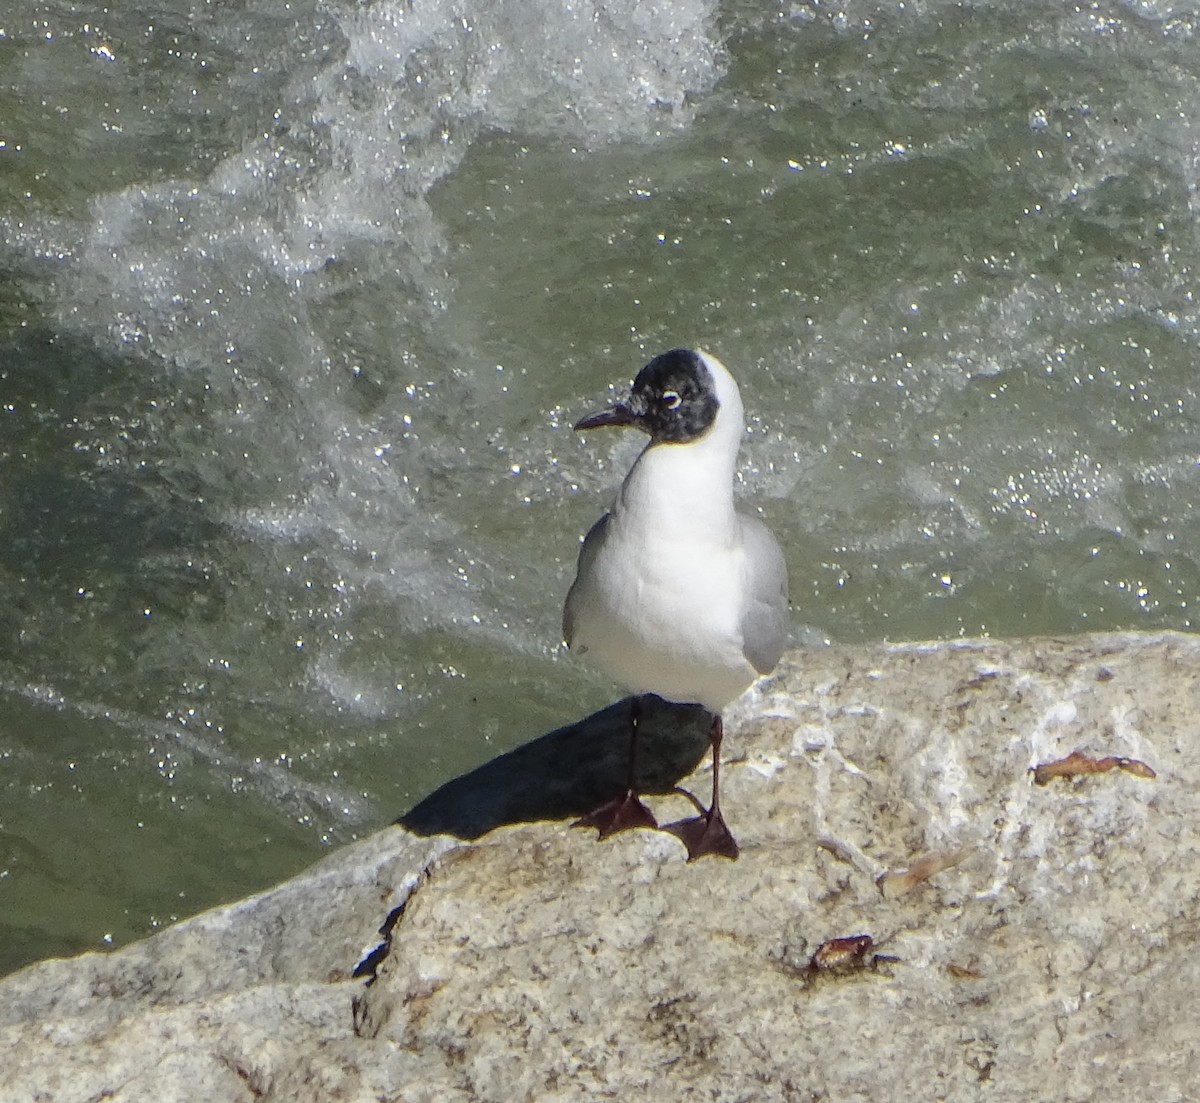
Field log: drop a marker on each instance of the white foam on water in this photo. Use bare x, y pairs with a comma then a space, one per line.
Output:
343, 165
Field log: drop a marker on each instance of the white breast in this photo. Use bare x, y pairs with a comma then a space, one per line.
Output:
660, 613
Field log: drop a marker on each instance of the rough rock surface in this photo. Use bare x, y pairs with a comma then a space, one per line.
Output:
1046, 950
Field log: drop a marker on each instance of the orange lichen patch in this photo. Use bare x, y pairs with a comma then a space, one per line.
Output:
1077, 764
904, 881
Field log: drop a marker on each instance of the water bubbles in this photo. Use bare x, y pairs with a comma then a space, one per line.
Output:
128, 329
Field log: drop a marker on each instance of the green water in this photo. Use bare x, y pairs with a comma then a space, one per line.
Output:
298, 303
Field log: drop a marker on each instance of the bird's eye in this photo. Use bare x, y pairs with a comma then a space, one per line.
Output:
671, 400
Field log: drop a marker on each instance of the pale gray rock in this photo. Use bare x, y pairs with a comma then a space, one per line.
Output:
1048, 954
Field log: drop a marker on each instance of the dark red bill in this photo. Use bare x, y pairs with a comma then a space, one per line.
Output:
618, 415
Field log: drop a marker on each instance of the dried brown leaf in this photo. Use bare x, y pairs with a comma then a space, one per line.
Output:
1078, 764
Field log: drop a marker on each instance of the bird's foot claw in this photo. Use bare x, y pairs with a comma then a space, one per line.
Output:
622, 813
705, 834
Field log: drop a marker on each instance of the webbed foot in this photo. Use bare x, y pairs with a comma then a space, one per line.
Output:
622, 813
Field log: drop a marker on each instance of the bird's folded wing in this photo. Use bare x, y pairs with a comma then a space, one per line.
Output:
765, 620
587, 554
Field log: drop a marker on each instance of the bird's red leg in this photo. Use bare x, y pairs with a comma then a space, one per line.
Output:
625, 811
708, 832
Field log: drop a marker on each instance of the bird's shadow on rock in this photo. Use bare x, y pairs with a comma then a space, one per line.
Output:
568, 772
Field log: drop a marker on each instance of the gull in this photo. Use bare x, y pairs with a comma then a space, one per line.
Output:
677, 594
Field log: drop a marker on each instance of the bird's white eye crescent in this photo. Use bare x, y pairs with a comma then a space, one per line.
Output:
671, 400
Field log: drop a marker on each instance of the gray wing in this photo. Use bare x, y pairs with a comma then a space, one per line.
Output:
765, 619
587, 554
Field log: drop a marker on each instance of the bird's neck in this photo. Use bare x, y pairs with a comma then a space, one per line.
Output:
682, 488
